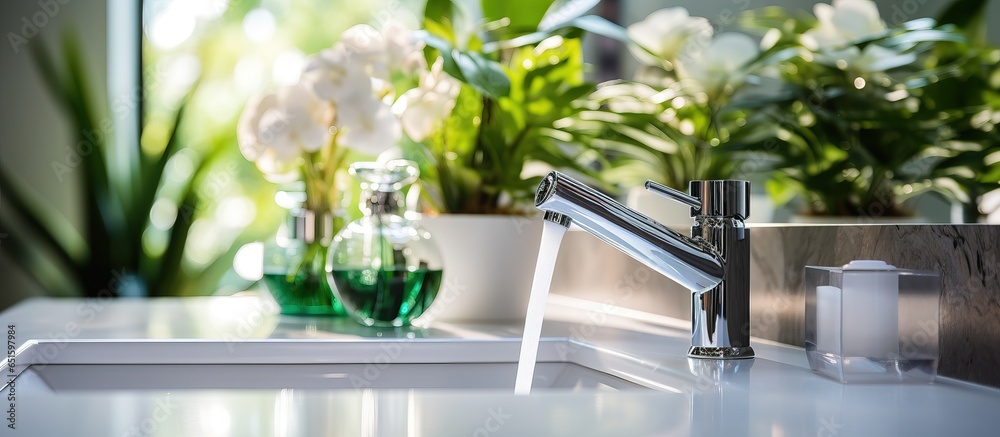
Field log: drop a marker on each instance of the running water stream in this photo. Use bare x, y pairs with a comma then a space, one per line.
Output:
552, 234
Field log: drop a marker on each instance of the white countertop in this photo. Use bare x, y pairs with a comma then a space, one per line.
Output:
774, 394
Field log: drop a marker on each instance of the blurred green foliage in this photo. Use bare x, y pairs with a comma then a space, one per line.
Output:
521, 65
863, 142
171, 221
109, 256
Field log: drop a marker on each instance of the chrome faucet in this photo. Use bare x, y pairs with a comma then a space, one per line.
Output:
714, 263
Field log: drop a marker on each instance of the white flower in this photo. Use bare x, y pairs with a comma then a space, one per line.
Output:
403, 50
665, 32
354, 75
379, 53
368, 126
276, 128
338, 74
841, 25
422, 110
364, 43
720, 63
361, 63
844, 22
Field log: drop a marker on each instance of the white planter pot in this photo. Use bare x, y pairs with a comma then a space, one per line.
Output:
489, 263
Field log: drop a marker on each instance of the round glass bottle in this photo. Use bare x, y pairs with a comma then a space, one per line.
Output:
294, 260
383, 267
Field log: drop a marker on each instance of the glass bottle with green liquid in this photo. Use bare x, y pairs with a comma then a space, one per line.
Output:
384, 267
294, 259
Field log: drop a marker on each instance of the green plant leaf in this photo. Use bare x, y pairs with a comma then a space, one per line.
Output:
167, 278
650, 137
103, 208
524, 15
461, 128
173, 256
920, 36
919, 24
598, 26
48, 225
444, 49
485, 75
991, 178
153, 176
36, 265
562, 11
450, 20
567, 97
572, 28
441, 11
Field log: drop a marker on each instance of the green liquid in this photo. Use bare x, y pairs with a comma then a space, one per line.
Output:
387, 297
304, 294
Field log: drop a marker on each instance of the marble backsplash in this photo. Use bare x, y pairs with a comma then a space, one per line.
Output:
966, 256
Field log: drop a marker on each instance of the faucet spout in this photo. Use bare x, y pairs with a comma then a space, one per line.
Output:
692, 263
714, 264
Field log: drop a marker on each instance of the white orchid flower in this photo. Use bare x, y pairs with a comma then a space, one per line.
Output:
394, 48
843, 22
364, 43
368, 126
665, 32
248, 127
720, 63
422, 110
361, 62
354, 76
337, 74
403, 50
276, 128
309, 117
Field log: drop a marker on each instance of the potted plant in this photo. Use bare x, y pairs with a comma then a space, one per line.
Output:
693, 108
485, 125
866, 129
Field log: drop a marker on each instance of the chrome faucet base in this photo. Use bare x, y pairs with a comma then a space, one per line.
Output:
721, 353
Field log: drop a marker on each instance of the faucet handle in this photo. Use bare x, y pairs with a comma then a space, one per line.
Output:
673, 194
710, 198
722, 198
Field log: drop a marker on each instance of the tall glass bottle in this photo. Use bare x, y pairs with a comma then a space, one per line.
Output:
383, 267
294, 260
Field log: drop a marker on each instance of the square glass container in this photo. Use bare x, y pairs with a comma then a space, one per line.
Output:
869, 322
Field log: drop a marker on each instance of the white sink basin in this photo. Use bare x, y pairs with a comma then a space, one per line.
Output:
495, 376
311, 364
